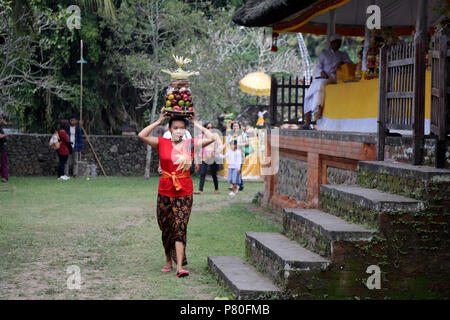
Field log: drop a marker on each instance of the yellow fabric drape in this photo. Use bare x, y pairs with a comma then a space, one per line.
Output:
359, 100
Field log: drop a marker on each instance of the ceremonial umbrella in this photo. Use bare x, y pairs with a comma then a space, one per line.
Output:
256, 83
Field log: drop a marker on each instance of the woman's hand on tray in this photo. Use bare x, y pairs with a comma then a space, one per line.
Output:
163, 115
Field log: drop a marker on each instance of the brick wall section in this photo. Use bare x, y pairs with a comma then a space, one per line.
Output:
320, 151
314, 179
334, 148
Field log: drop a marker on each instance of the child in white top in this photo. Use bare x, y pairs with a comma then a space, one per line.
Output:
234, 156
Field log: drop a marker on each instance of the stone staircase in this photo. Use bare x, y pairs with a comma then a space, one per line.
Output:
401, 227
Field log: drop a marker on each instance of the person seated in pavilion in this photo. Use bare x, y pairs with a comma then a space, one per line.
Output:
330, 60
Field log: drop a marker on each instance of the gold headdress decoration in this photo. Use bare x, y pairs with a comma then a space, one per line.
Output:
180, 73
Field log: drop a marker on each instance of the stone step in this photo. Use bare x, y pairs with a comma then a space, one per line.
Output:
405, 170
280, 257
363, 206
241, 278
317, 230
419, 182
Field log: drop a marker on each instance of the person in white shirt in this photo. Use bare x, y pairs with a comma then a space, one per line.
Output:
330, 60
243, 142
234, 167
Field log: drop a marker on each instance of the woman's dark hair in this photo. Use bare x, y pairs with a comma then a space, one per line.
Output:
186, 121
64, 125
73, 116
237, 123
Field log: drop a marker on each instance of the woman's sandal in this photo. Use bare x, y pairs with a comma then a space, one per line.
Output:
182, 273
167, 269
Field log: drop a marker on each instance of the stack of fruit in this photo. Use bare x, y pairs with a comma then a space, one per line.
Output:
179, 98
178, 95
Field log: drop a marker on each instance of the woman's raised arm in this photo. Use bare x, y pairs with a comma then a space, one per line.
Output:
209, 137
144, 135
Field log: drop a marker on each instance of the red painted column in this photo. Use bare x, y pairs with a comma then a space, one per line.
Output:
314, 179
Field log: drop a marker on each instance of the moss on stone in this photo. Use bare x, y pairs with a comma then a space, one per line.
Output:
350, 211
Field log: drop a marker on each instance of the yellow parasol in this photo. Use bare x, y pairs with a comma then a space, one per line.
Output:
256, 83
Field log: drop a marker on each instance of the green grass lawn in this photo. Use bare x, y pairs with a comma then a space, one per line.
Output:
108, 228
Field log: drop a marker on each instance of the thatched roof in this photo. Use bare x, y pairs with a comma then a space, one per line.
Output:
260, 13
308, 16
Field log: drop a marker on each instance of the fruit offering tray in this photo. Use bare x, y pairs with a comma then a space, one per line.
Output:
179, 114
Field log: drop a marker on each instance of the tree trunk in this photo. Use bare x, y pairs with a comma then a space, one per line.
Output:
155, 30
148, 158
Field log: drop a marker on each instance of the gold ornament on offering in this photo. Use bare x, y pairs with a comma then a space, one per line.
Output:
180, 73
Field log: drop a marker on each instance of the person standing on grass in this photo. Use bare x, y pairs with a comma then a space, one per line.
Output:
208, 159
175, 190
243, 142
3, 156
64, 149
75, 134
234, 156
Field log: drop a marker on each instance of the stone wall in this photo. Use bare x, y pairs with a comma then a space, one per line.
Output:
30, 155
292, 178
400, 149
341, 176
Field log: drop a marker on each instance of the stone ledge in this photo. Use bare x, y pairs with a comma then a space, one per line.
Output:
241, 278
372, 199
331, 135
404, 170
407, 140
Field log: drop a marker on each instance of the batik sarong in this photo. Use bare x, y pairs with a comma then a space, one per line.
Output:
173, 216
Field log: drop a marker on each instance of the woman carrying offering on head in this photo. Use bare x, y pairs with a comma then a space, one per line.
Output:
175, 191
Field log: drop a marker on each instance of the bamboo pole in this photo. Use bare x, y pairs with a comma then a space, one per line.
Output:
81, 80
93, 151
